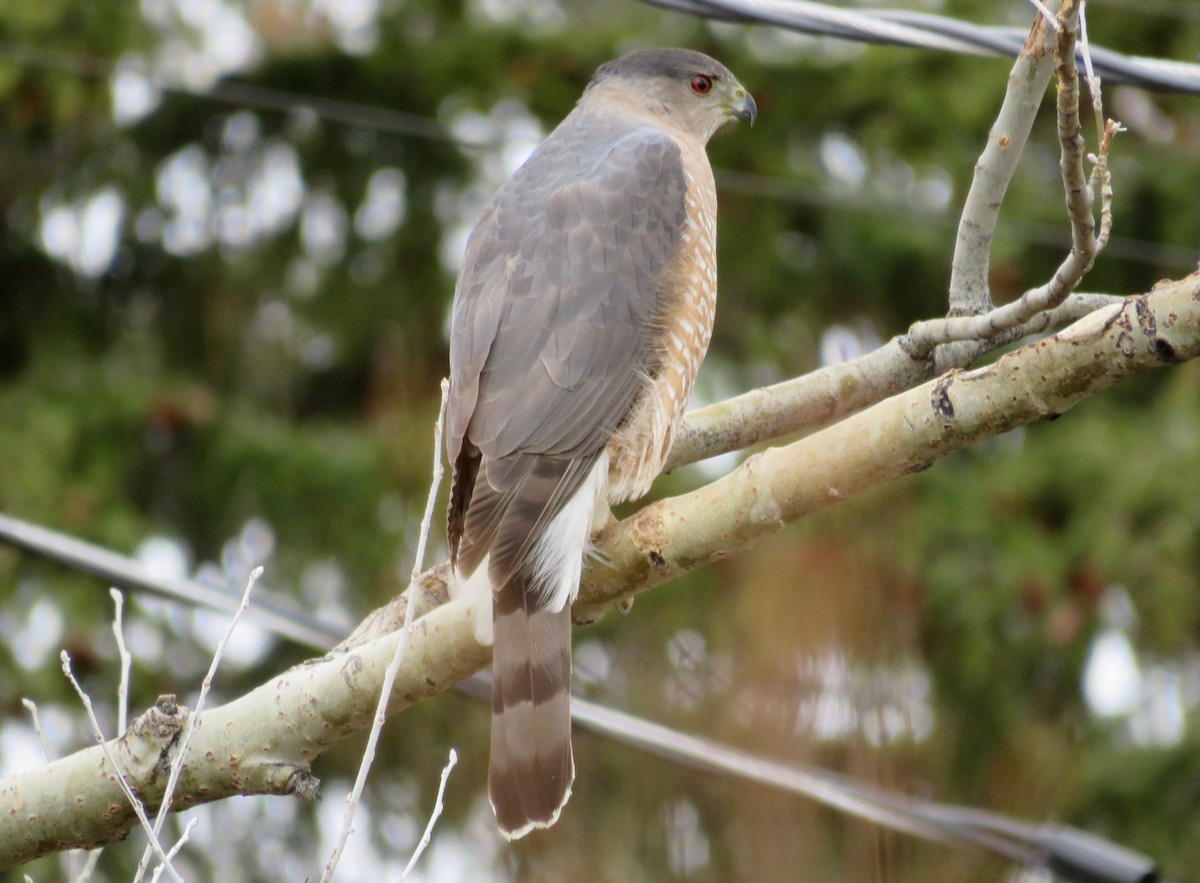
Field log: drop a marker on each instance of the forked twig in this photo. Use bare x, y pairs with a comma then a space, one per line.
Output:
393, 669
1080, 191
138, 809
193, 721
437, 811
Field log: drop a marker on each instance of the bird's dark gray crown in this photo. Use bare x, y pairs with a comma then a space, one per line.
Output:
669, 63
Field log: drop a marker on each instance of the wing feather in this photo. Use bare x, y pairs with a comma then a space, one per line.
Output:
564, 281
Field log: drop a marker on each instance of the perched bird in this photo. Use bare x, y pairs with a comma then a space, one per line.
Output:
583, 311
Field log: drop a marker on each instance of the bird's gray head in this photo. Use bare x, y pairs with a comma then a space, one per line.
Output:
685, 88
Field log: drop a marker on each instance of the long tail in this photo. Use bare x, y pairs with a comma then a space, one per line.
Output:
531, 767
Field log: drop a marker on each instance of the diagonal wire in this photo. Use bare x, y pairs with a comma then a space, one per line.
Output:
1071, 853
899, 27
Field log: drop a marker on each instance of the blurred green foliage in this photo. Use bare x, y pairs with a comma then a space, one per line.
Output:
286, 379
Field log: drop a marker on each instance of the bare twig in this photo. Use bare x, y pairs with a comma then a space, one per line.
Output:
401, 647
1093, 80
68, 858
1047, 15
969, 290
31, 707
437, 811
89, 867
126, 659
174, 851
138, 809
1080, 194
193, 722
820, 398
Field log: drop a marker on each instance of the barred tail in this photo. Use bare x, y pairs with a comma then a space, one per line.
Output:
531, 767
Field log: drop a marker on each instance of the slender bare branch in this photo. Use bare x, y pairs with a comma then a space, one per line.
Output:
1080, 193
437, 811
393, 668
126, 659
193, 722
174, 850
969, 289
815, 400
121, 776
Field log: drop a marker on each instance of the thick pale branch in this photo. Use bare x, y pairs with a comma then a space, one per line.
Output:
808, 403
904, 434
265, 742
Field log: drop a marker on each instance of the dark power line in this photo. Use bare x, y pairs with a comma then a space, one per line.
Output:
900, 27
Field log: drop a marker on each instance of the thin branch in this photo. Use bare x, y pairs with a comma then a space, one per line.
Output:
138, 809
437, 811
820, 398
193, 722
969, 290
174, 850
89, 867
1080, 194
126, 659
1046, 14
31, 707
393, 668
1093, 80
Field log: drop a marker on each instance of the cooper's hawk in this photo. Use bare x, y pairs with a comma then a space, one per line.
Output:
584, 308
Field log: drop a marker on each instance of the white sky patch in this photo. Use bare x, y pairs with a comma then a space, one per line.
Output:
20, 750
83, 234
323, 226
1153, 698
247, 645
592, 663
134, 94
383, 207
185, 193
885, 703
688, 847
1161, 717
844, 161
215, 40
543, 15
1112, 678
355, 23
163, 557
250, 192
39, 636
276, 192
842, 343
933, 192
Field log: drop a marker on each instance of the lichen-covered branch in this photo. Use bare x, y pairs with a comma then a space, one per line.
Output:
266, 741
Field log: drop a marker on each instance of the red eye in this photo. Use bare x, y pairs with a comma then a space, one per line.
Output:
701, 84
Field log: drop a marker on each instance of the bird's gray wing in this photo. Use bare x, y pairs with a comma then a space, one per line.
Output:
552, 332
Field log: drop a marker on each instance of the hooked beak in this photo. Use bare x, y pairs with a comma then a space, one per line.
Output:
743, 106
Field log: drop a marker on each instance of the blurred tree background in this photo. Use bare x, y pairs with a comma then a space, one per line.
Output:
222, 324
